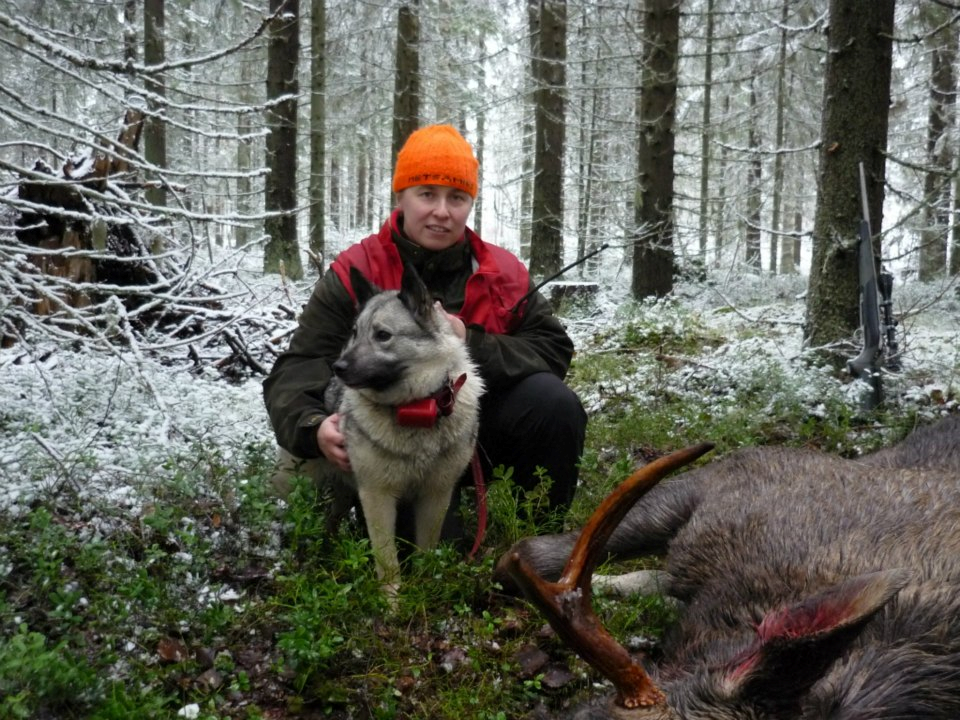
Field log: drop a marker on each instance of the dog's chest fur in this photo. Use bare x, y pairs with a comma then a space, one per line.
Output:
408, 459
412, 460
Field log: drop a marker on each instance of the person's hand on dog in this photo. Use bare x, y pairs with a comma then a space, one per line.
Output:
332, 443
456, 323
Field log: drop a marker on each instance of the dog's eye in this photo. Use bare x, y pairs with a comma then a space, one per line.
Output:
382, 336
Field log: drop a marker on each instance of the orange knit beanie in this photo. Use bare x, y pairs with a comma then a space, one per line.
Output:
436, 155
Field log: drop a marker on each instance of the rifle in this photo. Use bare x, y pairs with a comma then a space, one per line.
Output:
879, 348
891, 350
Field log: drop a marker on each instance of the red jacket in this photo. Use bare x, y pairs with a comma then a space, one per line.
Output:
498, 283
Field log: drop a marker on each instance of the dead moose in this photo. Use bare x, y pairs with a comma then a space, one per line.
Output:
810, 586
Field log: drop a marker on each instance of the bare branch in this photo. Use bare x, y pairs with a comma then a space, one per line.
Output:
92, 63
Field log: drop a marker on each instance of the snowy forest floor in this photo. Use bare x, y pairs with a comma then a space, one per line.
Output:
146, 571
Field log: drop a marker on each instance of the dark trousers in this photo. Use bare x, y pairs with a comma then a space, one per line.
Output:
539, 422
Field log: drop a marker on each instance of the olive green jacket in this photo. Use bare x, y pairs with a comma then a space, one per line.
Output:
293, 391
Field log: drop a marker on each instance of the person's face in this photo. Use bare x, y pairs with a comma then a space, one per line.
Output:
434, 216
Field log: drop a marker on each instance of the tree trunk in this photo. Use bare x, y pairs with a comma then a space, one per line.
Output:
318, 132
154, 131
406, 93
528, 130
653, 259
479, 146
798, 218
245, 130
130, 31
336, 201
191, 145
587, 227
955, 231
776, 223
280, 186
789, 243
754, 191
374, 200
853, 130
720, 203
705, 134
587, 151
546, 239
362, 181
940, 151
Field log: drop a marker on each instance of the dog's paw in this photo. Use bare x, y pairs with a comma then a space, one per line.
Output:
390, 591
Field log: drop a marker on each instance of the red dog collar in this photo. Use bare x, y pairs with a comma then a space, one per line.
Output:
425, 412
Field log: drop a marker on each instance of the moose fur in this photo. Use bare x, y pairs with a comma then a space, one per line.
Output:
811, 586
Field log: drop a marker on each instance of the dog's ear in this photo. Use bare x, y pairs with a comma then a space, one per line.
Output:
414, 294
363, 289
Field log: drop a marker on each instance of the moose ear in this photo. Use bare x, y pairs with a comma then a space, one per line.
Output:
414, 295
796, 645
363, 289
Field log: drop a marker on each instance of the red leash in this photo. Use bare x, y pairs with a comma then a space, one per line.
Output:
481, 503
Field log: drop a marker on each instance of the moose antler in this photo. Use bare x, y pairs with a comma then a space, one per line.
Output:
567, 603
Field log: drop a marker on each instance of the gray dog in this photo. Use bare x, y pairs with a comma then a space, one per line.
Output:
409, 399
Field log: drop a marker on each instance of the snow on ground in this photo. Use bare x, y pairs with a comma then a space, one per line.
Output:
109, 425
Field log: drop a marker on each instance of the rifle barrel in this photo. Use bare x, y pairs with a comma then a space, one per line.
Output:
863, 196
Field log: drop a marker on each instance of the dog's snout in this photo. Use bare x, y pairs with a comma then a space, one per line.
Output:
339, 367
